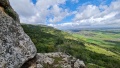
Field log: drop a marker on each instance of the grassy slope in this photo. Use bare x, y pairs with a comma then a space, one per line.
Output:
106, 42
48, 39
109, 39
96, 52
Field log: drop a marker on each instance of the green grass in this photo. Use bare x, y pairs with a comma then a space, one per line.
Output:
103, 39
91, 65
101, 42
56, 61
101, 48
102, 51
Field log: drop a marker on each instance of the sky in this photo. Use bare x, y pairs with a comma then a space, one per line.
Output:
69, 14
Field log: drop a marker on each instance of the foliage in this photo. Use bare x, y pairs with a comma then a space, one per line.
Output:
90, 48
11, 13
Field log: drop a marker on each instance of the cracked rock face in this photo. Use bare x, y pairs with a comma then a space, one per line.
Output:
15, 45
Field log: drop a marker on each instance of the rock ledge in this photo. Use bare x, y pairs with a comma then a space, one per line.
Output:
54, 60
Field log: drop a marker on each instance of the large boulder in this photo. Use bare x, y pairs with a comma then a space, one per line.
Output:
15, 45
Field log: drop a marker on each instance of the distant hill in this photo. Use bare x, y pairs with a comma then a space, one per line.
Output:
49, 39
91, 47
93, 28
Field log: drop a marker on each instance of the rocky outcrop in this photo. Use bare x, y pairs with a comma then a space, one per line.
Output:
8, 9
18, 51
54, 60
15, 46
57, 60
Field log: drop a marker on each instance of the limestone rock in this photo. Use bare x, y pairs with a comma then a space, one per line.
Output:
8, 9
39, 66
58, 60
15, 45
41, 58
79, 64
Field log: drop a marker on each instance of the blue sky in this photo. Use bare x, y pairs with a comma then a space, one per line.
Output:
73, 5
68, 14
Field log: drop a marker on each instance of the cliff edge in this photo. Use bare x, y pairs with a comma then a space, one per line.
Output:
15, 45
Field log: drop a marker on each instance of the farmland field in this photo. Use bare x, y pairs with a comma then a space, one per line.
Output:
105, 42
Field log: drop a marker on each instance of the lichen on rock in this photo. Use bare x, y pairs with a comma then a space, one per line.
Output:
58, 60
18, 51
15, 45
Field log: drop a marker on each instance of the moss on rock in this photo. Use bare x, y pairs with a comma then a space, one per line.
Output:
8, 9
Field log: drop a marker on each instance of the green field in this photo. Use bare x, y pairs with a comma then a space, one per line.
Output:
97, 48
105, 42
107, 39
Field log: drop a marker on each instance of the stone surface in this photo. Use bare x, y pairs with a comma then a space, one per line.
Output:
15, 46
18, 51
39, 66
8, 9
79, 64
58, 60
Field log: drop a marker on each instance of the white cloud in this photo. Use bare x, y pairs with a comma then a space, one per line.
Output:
58, 14
87, 12
25, 9
50, 11
75, 1
38, 13
94, 16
